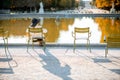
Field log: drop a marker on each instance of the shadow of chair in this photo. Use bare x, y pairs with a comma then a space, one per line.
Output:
81, 34
117, 71
36, 35
6, 69
113, 41
52, 64
4, 36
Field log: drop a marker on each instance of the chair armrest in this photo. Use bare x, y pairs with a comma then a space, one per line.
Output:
105, 39
6, 34
89, 34
44, 32
73, 34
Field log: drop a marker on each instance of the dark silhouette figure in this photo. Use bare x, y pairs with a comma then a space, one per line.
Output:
53, 65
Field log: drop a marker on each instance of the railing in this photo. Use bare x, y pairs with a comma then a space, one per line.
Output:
51, 15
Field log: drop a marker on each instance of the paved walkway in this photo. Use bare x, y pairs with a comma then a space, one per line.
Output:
59, 63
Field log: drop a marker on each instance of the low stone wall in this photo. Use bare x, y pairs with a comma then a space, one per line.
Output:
4, 11
52, 15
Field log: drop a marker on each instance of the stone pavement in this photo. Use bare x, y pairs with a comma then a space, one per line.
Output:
59, 63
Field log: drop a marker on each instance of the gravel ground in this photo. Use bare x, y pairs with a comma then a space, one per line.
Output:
59, 63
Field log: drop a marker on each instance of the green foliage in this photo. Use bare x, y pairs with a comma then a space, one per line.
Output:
48, 4
4, 4
107, 4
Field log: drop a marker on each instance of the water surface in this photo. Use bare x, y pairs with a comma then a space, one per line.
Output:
59, 30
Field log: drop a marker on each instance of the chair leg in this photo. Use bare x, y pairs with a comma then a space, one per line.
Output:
5, 46
89, 45
7, 43
32, 45
106, 52
28, 45
74, 46
44, 46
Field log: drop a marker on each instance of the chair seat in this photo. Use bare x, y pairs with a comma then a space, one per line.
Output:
39, 37
36, 39
82, 38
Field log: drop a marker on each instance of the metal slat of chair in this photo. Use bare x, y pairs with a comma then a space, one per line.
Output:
81, 31
113, 41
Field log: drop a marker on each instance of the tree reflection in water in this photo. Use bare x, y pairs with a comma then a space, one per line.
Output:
17, 28
108, 26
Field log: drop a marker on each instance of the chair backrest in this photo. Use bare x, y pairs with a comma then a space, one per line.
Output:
113, 41
1, 31
81, 30
35, 30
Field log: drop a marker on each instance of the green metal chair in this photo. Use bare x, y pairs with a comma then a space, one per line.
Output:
113, 41
31, 37
4, 36
77, 36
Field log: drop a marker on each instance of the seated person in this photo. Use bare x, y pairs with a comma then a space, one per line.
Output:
36, 24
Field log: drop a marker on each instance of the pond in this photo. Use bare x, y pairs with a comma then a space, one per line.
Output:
59, 30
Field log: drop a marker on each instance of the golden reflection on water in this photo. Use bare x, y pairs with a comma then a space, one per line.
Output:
108, 26
17, 27
53, 29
